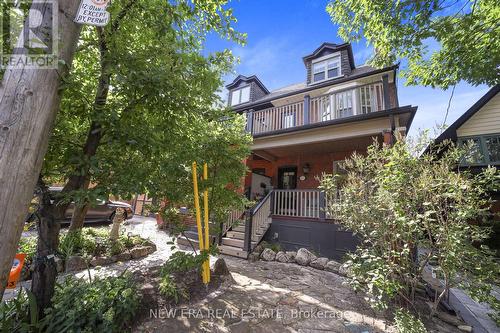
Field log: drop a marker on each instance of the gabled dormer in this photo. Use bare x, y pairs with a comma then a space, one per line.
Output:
245, 90
329, 62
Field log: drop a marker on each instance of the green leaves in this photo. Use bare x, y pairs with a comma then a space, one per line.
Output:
439, 42
162, 110
402, 204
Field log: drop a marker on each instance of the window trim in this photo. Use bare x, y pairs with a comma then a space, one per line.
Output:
240, 90
483, 149
325, 60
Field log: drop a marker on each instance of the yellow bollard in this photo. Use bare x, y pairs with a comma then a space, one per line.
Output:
198, 216
207, 230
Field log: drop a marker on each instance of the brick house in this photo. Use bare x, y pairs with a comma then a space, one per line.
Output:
301, 131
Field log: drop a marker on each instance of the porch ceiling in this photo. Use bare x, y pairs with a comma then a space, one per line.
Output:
358, 143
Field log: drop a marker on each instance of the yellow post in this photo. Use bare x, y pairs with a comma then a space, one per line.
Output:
198, 215
207, 230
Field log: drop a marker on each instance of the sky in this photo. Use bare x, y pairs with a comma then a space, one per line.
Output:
281, 32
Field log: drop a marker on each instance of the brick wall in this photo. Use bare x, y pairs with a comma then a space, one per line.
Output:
318, 164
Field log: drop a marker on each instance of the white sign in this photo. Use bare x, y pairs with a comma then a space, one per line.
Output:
93, 12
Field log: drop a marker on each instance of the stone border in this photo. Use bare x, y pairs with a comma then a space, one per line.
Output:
303, 257
79, 263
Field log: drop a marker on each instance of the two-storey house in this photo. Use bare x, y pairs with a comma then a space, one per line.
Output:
302, 131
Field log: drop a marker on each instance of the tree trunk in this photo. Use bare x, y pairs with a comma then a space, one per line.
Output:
78, 217
95, 133
45, 270
29, 99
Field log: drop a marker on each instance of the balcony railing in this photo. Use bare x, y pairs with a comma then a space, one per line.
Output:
361, 100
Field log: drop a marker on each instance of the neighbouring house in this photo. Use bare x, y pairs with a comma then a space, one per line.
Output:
479, 125
302, 131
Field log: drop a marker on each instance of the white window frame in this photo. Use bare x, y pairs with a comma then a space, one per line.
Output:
239, 94
325, 61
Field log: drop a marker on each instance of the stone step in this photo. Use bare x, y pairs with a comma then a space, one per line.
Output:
233, 251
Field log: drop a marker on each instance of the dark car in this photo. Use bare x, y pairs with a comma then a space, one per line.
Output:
102, 211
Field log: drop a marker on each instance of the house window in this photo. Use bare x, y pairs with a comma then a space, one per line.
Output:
240, 96
483, 150
326, 69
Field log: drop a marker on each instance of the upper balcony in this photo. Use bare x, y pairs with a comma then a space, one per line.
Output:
361, 100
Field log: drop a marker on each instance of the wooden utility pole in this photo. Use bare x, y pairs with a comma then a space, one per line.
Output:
29, 100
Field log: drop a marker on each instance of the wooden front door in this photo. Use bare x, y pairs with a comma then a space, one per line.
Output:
287, 180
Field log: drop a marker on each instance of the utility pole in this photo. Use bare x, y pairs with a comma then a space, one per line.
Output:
29, 101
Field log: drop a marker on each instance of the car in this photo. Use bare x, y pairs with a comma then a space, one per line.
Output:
102, 211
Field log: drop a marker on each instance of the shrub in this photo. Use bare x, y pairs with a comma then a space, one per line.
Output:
28, 245
173, 284
411, 211
102, 305
170, 289
19, 314
406, 323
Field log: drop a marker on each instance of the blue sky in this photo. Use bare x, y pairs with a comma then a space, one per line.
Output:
281, 32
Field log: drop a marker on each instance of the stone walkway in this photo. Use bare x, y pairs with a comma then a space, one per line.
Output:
272, 297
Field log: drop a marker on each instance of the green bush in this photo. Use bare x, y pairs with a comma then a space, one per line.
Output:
170, 289
406, 323
103, 305
28, 245
19, 314
179, 264
95, 242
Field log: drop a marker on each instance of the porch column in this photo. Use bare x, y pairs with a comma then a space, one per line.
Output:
249, 114
385, 87
307, 103
387, 133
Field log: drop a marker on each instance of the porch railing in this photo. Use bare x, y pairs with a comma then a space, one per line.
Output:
233, 217
257, 222
360, 100
302, 203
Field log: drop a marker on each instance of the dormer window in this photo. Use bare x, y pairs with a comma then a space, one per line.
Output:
240, 96
324, 69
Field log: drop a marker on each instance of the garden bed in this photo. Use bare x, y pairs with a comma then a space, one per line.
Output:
89, 247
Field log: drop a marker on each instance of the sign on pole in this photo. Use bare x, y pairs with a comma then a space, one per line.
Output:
93, 12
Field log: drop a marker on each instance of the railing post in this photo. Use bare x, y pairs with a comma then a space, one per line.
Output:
385, 87
307, 104
247, 244
250, 121
322, 206
271, 210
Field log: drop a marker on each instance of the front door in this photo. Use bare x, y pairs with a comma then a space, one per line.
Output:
287, 180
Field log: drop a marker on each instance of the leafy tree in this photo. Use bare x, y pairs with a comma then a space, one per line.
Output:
467, 31
411, 212
139, 88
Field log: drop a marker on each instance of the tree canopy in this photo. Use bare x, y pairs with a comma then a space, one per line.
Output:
467, 33
162, 101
